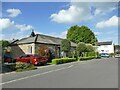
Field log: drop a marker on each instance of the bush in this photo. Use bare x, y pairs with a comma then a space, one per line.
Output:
20, 66
88, 54
63, 60
86, 58
11, 67
112, 54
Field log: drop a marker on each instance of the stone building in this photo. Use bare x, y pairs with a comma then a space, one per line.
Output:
30, 45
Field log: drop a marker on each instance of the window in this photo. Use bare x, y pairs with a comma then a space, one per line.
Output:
102, 50
30, 49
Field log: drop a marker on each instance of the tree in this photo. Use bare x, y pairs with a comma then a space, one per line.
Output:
81, 47
4, 43
89, 48
65, 46
81, 34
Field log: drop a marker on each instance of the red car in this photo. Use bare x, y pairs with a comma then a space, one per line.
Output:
36, 60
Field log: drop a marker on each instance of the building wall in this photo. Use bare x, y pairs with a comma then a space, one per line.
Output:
18, 50
106, 49
54, 48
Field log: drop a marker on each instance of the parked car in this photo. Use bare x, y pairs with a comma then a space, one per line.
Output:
117, 56
32, 59
105, 55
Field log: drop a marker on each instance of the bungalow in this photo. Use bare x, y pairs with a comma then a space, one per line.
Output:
31, 44
105, 47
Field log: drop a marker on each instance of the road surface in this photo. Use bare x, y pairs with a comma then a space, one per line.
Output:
98, 73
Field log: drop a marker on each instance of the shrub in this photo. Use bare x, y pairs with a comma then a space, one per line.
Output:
63, 60
112, 54
86, 58
20, 66
11, 67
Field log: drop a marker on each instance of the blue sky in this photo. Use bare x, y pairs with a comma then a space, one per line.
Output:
55, 18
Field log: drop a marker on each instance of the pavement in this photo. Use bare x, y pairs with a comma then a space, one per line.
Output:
97, 73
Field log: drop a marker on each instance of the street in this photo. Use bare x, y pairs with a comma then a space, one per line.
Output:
97, 73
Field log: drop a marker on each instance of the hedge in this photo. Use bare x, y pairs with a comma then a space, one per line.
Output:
87, 58
63, 60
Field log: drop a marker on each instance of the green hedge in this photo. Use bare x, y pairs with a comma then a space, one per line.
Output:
88, 58
63, 60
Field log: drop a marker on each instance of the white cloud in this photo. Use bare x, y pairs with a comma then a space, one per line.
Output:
113, 21
54, 34
24, 27
80, 11
97, 33
97, 11
13, 12
103, 8
5, 23
63, 34
73, 14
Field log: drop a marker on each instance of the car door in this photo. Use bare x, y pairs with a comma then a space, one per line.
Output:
27, 58
23, 58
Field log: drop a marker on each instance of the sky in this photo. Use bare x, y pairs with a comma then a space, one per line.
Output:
55, 18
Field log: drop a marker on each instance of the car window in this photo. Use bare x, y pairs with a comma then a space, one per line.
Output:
25, 56
22, 56
28, 56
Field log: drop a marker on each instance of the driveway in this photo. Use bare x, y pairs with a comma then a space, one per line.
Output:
98, 73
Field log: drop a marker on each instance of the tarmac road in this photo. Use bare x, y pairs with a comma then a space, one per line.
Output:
97, 73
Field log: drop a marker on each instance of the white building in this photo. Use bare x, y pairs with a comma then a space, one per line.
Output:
105, 47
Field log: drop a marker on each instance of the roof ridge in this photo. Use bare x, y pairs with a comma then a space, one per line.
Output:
49, 36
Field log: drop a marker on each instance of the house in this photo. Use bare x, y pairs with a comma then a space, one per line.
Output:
105, 47
31, 44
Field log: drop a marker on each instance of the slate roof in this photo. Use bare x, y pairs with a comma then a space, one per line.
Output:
104, 43
40, 38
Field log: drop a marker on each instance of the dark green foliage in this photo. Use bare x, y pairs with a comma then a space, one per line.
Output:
81, 34
4, 43
89, 48
65, 45
11, 67
63, 60
20, 66
81, 47
87, 54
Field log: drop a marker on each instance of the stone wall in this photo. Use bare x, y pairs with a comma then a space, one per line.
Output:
54, 48
18, 50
